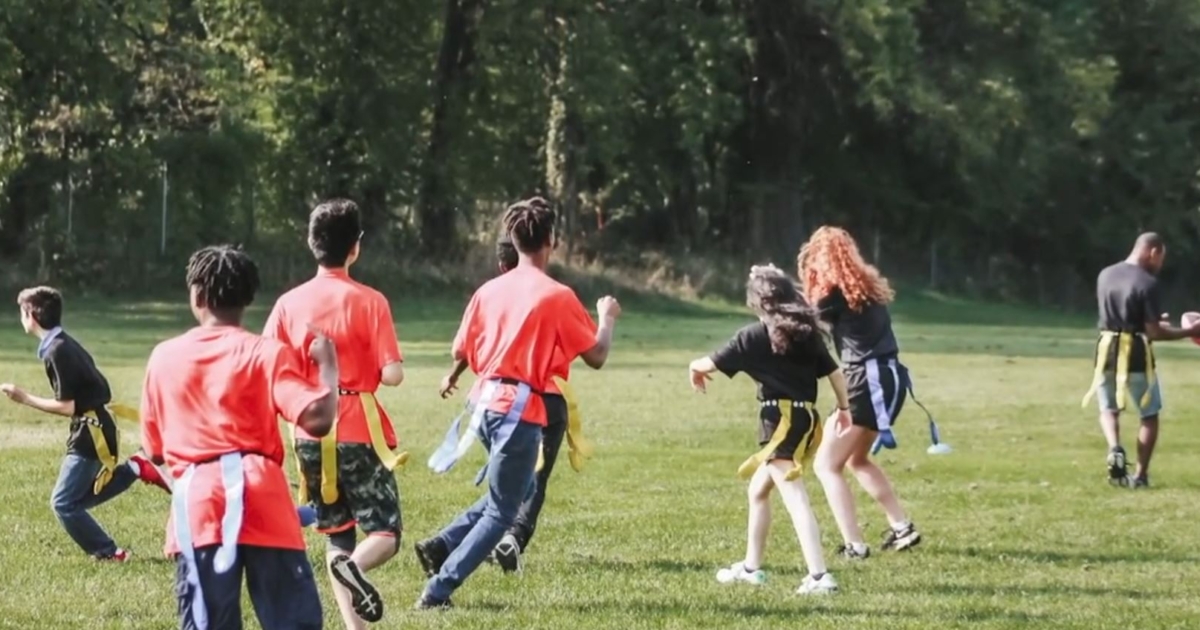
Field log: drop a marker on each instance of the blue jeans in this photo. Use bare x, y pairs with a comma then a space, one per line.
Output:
73, 497
473, 535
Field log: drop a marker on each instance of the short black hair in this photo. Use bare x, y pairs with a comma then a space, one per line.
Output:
530, 224
44, 305
226, 277
333, 228
506, 253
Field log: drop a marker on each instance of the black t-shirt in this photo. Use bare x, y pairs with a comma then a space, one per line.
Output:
1128, 298
858, 335
791, 376
73, 376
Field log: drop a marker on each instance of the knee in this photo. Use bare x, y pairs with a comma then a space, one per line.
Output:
343, 542
63, 506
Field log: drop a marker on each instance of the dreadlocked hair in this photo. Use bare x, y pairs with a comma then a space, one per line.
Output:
225, 276
530, 223
831, 260
778, 303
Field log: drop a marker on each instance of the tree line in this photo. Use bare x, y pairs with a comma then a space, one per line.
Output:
1005, 147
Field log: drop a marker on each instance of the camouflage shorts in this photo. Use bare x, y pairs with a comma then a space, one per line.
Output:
367, 490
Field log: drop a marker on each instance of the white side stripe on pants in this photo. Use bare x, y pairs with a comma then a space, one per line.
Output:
883, 415
234, 480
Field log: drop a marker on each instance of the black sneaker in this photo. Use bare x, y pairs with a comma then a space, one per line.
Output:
1142, 482
366, 600
508, 554
849, 552
902, 539
425, 602
1118, 470
432, 554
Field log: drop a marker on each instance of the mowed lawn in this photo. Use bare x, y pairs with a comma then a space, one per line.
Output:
1020, 527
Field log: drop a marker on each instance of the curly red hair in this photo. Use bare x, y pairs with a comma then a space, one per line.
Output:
829, 260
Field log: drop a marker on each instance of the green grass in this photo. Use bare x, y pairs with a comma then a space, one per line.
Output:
1020, 527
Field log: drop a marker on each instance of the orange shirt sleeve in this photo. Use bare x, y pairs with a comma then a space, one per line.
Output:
388, 345
152, 442
576, 329
292, 394
468, 332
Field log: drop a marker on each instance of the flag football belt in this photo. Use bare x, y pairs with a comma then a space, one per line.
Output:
805, 450
578, 449
454, 446
1124, 341
329, 458
233, 480
106, 455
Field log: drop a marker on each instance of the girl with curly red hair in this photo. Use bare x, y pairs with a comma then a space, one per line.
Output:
852, 298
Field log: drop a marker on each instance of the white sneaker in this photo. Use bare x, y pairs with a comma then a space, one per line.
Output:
737, 572
823, 586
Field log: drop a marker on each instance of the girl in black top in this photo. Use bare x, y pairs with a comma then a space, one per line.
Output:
784, 353
852, 299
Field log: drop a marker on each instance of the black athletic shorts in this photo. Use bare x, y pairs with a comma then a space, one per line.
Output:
878, 388
282, 590
800, 435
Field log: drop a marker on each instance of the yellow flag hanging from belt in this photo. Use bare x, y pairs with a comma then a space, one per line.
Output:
329, 468
579, 450
805, 450
1124, 342
108, 459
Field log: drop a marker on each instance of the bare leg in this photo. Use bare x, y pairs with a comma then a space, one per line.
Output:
795, 498
872, 478
831, 460
1147, 438
759, 494
1110, 425
344, 601
374, 550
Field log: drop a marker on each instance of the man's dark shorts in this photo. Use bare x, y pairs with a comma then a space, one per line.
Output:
281, 584
367, 490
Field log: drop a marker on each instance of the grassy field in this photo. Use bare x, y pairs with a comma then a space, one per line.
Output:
1020, 527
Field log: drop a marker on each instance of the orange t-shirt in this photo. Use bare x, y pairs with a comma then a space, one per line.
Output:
513, 326
213, 391
560, 366
358, 320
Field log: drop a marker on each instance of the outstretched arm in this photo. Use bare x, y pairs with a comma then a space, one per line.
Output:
46, 405
450, 381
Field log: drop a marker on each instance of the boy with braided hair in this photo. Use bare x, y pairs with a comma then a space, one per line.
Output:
89, 475
210, 405
509, 334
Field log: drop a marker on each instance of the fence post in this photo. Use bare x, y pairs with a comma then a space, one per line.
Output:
162, 244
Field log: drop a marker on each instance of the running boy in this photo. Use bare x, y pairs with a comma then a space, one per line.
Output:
210, 406
511, 329
512, 546
784, 353
852, 299
89, 474
348, 474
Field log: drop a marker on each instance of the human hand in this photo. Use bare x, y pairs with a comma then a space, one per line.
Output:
322, 349
14, 393
449, 384
700, 381
608, 307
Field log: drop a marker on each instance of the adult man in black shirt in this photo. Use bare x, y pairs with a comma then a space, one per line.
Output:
89, 474
1131, 319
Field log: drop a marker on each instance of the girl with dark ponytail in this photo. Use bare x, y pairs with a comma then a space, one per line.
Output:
785, 353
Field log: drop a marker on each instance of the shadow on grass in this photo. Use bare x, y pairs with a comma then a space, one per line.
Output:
1061, 590
1056, 557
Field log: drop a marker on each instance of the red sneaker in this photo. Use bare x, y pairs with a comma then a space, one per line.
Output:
149, 473
120, 555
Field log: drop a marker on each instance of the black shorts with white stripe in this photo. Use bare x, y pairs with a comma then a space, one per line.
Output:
878, 388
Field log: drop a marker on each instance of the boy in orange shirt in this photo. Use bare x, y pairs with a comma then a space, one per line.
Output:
512, 546
510, 332
348, 474
210, 405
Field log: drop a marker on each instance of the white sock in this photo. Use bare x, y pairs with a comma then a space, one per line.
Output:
859, 547
137, 470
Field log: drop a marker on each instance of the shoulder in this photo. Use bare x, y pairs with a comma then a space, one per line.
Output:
65, 348
751, 333
166, 350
